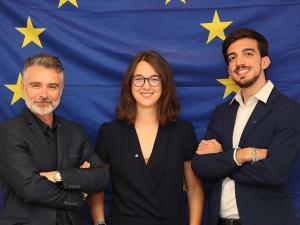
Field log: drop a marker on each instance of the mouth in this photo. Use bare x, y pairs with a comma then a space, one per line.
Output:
241, 71
43, 103
147, 94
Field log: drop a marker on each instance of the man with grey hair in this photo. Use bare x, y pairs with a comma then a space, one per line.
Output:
47, 165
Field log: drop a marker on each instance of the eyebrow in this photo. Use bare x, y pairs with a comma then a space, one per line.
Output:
244, 50
248, 49
36, 82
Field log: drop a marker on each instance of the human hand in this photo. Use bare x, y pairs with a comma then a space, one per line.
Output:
246, 154
261, 153
85, 165
49, 175
209, 146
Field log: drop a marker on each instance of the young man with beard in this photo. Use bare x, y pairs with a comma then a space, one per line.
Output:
249, 149
41, 155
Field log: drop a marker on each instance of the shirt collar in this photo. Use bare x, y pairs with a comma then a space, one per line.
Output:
262, 95
43, 125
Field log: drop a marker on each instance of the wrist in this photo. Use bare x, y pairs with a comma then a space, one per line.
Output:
235, 156
57, 177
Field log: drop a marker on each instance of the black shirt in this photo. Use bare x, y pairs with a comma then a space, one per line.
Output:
50, 134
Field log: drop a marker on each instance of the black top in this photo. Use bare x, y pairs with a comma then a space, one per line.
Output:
50, 135
152, 193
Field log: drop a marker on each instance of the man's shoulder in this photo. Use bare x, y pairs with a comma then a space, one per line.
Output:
225, 105
13, 123
284, 99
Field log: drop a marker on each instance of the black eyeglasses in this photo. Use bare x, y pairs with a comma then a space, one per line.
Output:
139, 80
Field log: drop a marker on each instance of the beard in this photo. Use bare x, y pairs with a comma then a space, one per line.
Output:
244, 82
34, 107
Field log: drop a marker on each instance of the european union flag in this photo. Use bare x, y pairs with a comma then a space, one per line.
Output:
96, 39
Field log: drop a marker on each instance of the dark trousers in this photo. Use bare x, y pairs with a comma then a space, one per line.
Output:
222, 221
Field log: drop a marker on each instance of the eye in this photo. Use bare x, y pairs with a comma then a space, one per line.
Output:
249, 53
138, 78
35, 85
155, 78
53, 87
231, 58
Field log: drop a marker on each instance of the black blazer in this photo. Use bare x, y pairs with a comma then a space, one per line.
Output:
261, 193
31, 199
149, 194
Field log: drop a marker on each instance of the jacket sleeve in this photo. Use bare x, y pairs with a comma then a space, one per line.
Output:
216, 165
281, 158
91, 180
18, 170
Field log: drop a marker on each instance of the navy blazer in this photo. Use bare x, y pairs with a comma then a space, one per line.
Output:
261, 193
30, 198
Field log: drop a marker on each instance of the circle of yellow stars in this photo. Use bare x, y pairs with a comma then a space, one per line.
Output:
31, 35
216, 30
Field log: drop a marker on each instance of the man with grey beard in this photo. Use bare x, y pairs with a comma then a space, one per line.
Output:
47, 165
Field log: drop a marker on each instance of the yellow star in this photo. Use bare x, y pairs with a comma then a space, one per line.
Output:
168, 1
230, 85
216, 28
31, 34
16, 89
62, 2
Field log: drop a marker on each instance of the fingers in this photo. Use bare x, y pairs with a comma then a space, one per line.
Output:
261, 153
85, 165
209, 146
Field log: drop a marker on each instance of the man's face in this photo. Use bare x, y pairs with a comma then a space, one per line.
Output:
42, 89
246, 66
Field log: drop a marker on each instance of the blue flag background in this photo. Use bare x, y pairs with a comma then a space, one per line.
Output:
96, 39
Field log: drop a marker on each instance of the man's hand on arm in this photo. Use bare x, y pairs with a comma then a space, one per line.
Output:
208, 147
54, 176
250, 154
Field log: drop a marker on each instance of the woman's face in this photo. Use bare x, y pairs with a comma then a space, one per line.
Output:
146, 86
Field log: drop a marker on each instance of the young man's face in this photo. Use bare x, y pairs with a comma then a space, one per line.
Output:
245, 64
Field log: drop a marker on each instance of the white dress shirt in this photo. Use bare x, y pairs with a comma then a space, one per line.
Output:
229, 207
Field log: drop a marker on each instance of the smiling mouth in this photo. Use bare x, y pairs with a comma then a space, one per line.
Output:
42, 103
146, 94
242, 70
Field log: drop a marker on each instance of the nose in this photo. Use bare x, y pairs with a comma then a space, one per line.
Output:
146, 84
44, 92
240, 60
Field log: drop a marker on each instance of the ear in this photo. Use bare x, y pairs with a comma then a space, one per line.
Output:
61, 90
265, 62
22, 84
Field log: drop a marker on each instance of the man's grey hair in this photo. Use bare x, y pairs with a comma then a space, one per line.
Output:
45, 60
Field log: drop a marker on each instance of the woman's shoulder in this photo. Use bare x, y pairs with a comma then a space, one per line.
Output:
181, 124
113, 125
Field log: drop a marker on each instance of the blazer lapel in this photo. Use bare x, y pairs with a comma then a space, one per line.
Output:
229, 122
36, 131
60, 144
260, 111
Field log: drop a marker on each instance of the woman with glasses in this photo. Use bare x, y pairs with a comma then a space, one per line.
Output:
149, 152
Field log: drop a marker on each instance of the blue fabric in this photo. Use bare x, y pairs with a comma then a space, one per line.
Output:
97, 40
